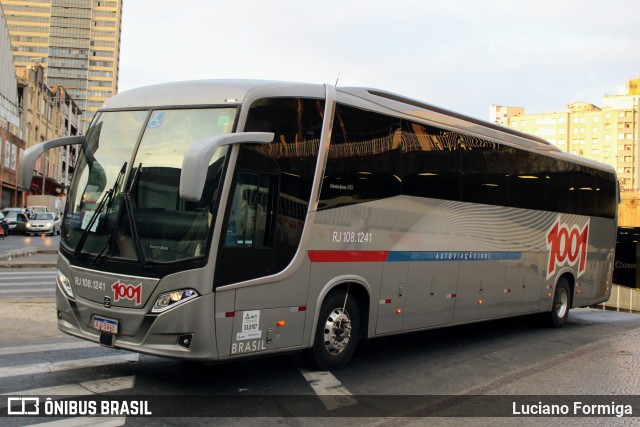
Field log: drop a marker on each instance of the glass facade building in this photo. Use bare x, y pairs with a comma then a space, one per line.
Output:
77, 41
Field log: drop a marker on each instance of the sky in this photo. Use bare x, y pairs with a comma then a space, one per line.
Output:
463, 55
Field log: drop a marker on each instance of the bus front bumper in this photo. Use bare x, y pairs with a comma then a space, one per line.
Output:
185, 332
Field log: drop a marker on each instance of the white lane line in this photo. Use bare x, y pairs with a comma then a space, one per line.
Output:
85, 421
40, 368
36, 348
80, 389
330, 391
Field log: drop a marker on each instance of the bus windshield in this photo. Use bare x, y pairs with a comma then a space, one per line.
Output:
124, 200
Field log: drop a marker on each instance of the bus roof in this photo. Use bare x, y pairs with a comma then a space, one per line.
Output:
201, 92
236, 91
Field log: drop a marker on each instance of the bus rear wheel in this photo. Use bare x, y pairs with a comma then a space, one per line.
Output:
561, 304
337, 333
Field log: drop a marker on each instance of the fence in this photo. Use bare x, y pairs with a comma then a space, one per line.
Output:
623, 299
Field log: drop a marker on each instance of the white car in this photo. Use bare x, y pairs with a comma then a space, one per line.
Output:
43, 223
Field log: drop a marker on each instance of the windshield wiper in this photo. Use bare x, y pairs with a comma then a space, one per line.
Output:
128, 205
106, 246
106, 200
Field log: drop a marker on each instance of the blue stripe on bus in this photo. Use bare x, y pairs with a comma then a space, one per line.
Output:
397, 256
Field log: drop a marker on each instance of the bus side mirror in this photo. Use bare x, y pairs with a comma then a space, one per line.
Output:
30, 156
196, 160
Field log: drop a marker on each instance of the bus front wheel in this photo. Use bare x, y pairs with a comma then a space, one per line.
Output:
337, 332
561, 304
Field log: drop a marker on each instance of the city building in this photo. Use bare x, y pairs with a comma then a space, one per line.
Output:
501, 114
47, 113
10, 143
76, 41
31, 112
608, 134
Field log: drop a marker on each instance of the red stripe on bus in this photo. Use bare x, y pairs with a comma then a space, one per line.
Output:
348, 256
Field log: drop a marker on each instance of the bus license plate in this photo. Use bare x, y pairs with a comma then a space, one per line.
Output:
105, 325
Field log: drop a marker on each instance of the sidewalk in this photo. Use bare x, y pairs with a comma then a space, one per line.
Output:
29, 258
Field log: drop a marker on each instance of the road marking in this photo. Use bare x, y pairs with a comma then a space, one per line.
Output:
80, 389
330, 391
49, 367
37, 348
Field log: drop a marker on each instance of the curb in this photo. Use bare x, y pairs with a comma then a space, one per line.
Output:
29, 265
20, 258
7, 256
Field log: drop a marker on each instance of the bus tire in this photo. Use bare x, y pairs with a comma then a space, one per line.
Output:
336, 334
561, 304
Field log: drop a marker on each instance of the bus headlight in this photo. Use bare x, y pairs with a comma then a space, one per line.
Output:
172, 299
64, 283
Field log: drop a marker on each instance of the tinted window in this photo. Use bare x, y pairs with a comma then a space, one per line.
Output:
528, 179
449, 165
250, 223
429, 162
364, 161
484, 171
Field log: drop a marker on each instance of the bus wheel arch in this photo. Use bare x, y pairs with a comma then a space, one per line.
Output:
341, 322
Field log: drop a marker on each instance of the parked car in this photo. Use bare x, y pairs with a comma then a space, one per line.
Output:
16, 221
19, 210
4, 225
34, 210
43, 223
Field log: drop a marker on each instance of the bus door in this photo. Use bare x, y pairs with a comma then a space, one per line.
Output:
247, 243
248, 250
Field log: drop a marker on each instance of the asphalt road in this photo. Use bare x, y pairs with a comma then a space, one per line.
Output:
14, 242
411, 379
390, 381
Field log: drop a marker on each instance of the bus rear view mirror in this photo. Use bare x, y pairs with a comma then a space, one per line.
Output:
196, 160
30, 156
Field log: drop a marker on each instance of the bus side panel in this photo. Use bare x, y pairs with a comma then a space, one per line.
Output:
523, 284
267, 316
392, 297
225, 303
480, 290
431, 294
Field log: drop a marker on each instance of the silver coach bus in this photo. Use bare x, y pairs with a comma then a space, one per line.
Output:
223, 219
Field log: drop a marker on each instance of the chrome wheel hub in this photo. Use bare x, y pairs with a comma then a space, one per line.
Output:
337, 331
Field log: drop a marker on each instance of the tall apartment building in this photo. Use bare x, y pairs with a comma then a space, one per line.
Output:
608, 134
76, 41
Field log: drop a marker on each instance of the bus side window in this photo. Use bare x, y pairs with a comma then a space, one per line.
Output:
250, 219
